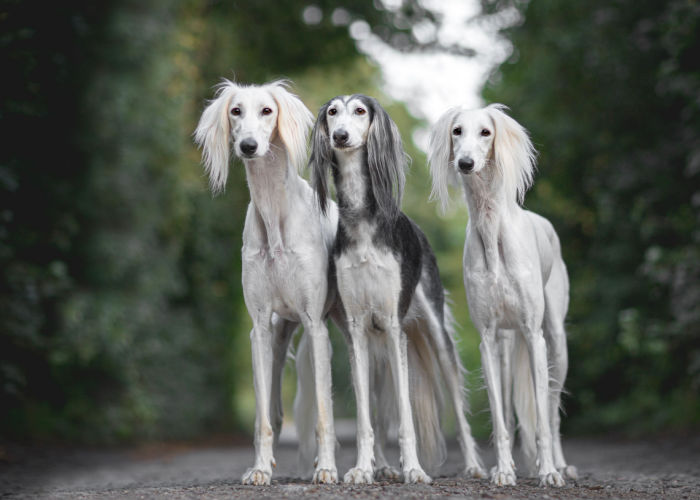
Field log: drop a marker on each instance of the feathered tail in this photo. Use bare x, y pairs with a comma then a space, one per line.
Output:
426, 399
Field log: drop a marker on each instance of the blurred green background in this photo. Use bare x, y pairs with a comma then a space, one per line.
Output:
121, 311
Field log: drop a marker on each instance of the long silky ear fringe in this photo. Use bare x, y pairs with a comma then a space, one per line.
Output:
293, 122
321, 158
440, 158
514, 153
386, 161
213, 135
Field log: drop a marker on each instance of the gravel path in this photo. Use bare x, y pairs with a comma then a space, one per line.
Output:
609, 468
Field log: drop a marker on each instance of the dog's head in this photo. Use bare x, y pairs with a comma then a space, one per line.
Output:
249, 118
348, 123
469, 142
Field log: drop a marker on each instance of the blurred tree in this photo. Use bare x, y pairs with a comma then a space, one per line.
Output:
120, 306
609, 92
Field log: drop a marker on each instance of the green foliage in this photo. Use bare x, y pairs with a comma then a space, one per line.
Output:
609, 93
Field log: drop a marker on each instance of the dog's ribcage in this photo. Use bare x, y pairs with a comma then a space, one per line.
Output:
376, 287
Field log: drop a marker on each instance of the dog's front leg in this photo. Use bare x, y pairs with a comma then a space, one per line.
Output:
504, 471
363, 472
325, 471
548, 474
261, 346
398, 356
505, 344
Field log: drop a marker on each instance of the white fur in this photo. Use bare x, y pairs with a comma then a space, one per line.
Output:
515, 279
286, 247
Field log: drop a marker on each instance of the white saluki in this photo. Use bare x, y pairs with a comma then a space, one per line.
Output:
390, 288
286, 254
515, 279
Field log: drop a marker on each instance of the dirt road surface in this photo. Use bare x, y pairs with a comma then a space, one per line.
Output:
608, 468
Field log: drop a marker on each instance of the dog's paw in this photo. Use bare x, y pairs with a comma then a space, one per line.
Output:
552, 478
358, 476
416, 476
387, 473
256, 477
474, 471
569, 472
502, 477
325, 476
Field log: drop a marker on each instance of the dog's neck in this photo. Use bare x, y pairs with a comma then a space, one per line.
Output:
353, 185
274, 188
489, 211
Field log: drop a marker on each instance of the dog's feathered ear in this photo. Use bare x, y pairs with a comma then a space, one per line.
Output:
441, 157
293, 122
513, 152
321, 157
213, 135
386, 160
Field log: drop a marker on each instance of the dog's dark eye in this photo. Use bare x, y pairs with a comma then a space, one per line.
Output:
360, 111
332, 111
266, 111
485, 132
236, 111
457, 131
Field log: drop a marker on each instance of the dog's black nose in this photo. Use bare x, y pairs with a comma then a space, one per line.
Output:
340, 137
466, 164
248, 146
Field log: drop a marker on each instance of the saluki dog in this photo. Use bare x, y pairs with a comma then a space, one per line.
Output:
515, 279
390, 289
286, 255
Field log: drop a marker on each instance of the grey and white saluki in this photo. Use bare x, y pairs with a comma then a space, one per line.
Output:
286, 254
390, 289
515, 279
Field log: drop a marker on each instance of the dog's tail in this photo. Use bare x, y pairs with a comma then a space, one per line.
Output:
524, 401
426, 399
305, 408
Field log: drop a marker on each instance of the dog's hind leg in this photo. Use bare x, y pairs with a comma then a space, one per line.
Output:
282, 332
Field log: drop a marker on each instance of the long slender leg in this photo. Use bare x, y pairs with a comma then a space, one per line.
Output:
398, 357
506, 341
325, 471
537, 348
305, 407
383, 399
503, 473
282, 332
363, 472
261, 342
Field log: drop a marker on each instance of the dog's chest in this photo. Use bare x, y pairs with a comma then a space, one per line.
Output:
369, 277
280, 278
499, 295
